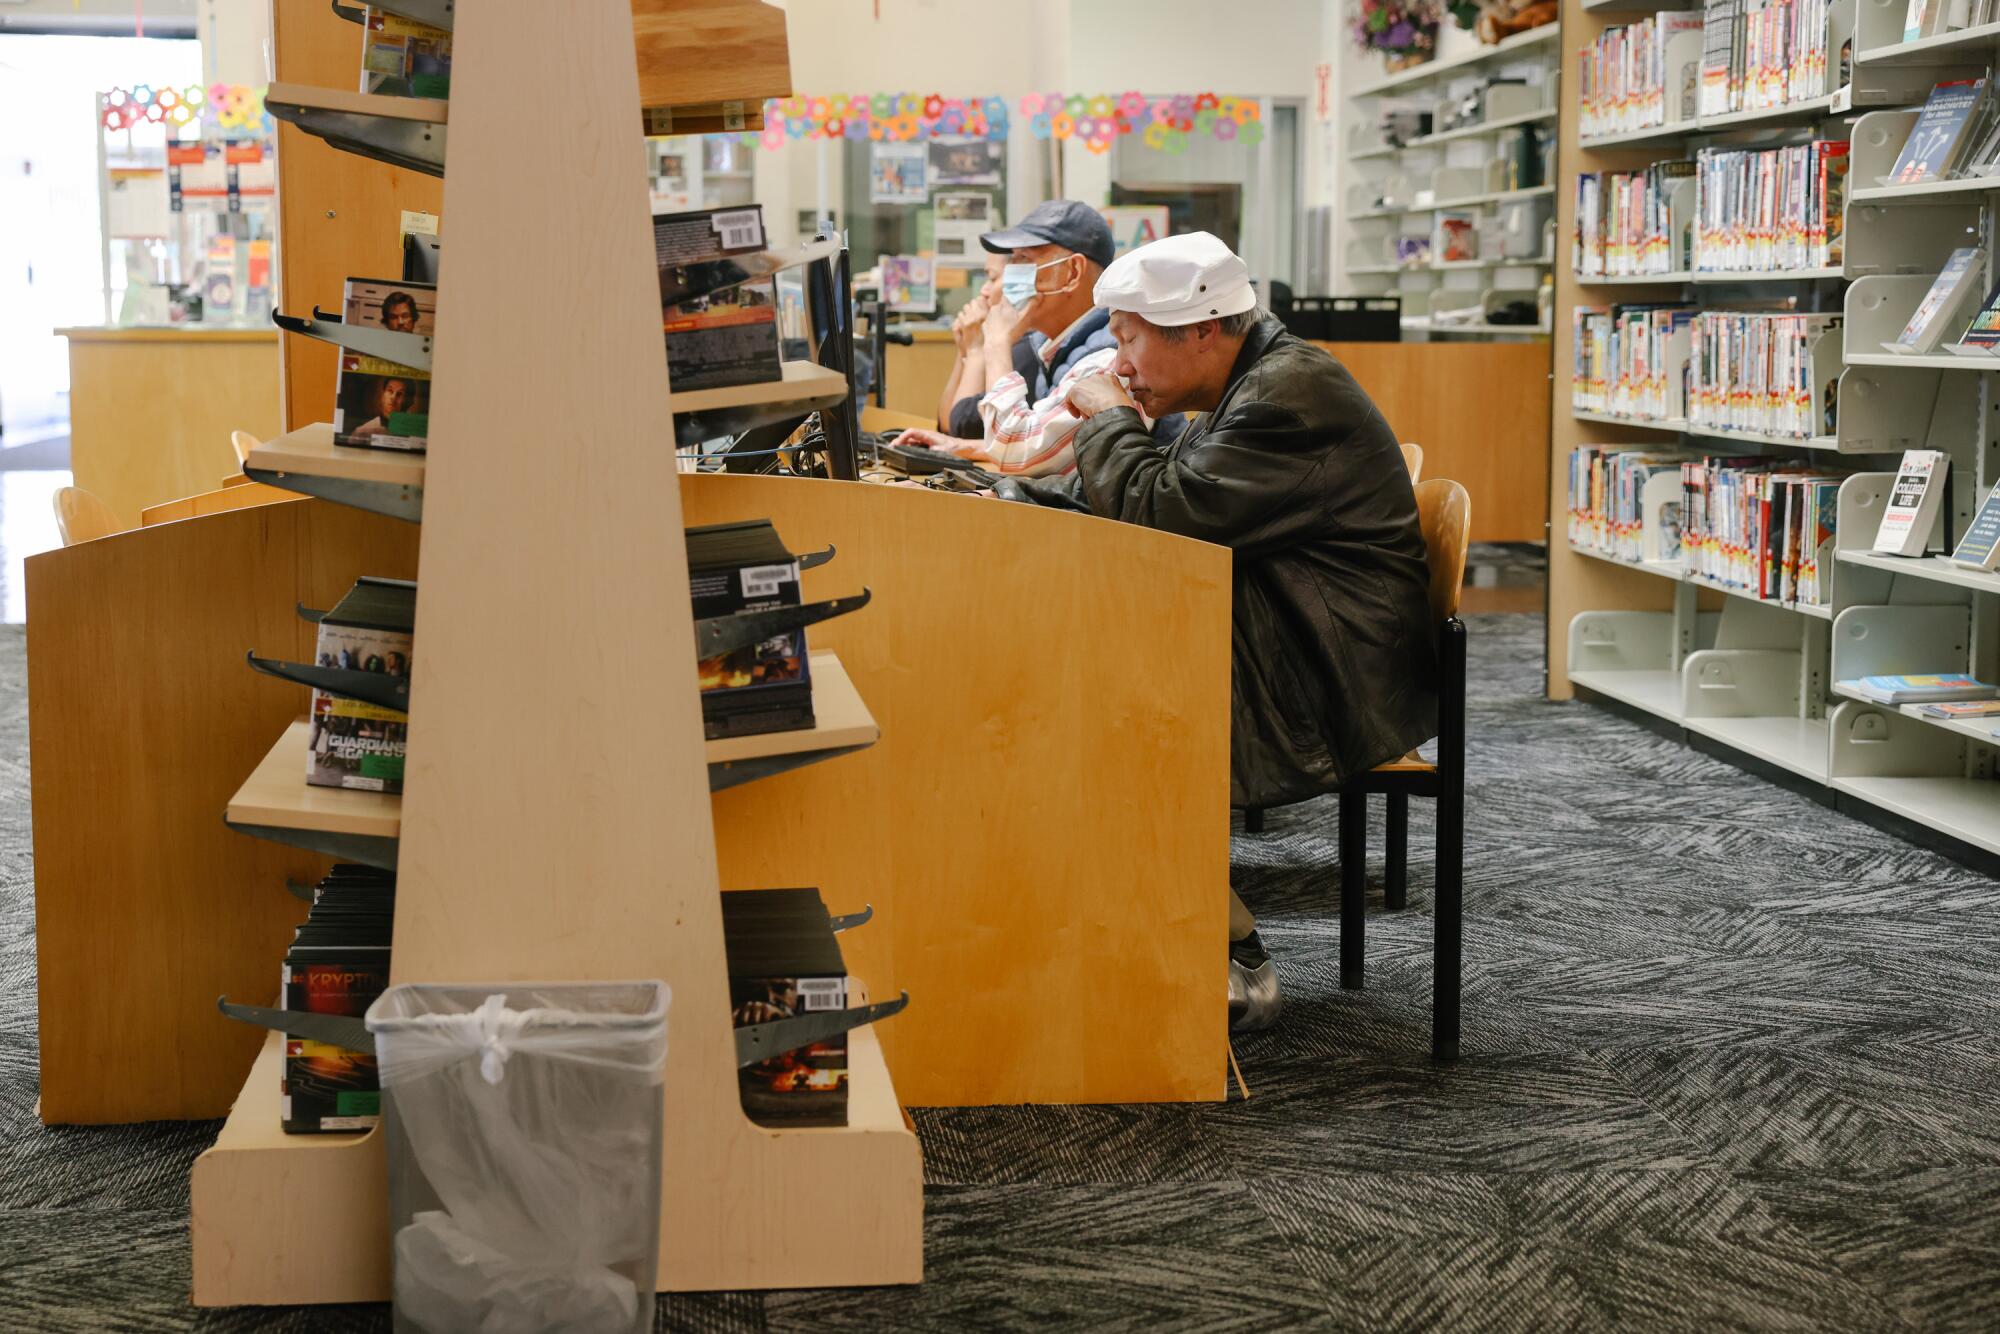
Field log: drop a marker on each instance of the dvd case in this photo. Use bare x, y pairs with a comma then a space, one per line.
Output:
355, 744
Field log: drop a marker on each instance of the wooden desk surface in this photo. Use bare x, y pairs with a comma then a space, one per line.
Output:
167, 333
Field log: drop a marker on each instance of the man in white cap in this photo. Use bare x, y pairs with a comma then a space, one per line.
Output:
1334, 666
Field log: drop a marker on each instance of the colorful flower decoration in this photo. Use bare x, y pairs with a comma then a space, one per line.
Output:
1251, 134
226, 106
1097, 120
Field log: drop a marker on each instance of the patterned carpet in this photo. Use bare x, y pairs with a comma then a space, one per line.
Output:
1731, 1062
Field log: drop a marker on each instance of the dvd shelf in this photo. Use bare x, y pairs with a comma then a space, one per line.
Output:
1728, 611
572, 789
1450, 204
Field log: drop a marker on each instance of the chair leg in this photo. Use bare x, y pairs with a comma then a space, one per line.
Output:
1253, 820
1448, 911
1353, 885
1396, 853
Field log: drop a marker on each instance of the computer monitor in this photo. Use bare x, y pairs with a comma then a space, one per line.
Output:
831, 308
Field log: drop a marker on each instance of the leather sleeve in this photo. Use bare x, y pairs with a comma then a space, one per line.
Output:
1247, 483
1062, 493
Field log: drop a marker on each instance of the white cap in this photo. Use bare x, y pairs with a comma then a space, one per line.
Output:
1178, 280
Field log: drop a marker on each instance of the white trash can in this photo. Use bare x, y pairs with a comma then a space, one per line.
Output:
522, 1122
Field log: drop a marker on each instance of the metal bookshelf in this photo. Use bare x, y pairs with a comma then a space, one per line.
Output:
1756, 681
1455, 169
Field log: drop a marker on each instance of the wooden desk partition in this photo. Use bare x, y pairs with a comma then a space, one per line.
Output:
1043, 827
142, 720
1481, 412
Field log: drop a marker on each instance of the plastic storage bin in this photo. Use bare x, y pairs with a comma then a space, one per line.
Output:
522, 1123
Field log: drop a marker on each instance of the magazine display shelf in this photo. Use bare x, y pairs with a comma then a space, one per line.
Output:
1748, 679
353, 825
384, 481
567, 498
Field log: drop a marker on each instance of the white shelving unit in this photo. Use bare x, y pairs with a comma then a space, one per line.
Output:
1758, 680
1398, 190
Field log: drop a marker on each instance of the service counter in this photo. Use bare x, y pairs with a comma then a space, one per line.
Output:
151, 409
1480, 410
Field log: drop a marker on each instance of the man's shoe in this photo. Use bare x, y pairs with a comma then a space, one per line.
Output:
1253, 986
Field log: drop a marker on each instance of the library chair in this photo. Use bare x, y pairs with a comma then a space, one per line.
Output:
82, 516
244, 442
1445, 512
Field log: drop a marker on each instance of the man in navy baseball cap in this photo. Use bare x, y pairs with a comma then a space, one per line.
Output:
1064, 223
1055, 256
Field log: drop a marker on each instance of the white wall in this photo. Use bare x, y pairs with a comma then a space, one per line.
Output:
965, 47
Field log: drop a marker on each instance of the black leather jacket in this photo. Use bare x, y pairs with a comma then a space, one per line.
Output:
1334, 656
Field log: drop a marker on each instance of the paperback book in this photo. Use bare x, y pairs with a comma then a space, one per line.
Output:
1943, 305
1939, 134
355, 744
1982, 337
1963, 709
1913, 505
1920, 689
1980, 547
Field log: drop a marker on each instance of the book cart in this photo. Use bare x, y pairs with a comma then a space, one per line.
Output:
1752, 679
554, 823
1401, 189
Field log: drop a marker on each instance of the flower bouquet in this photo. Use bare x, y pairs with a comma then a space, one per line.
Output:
1403, 30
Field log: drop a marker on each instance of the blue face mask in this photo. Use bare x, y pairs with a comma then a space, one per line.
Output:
1017, 282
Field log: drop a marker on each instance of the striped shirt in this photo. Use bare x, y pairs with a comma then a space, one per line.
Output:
1035, 439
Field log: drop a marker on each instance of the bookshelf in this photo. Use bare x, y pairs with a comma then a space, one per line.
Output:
1737, 675
565, 496
1399, 190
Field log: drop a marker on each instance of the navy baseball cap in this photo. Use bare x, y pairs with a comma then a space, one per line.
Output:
1063, 222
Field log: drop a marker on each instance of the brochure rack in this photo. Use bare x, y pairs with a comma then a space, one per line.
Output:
595, 859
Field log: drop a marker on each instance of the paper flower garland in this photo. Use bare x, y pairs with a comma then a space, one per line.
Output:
1163, 124
228, 106
1098, 120
891, 117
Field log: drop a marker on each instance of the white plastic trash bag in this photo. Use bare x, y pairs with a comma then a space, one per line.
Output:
522, 1122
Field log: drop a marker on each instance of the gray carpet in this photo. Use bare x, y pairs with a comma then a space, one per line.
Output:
1730, 1063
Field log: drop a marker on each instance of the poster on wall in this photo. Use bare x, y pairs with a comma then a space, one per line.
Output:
1134, 225
908, 284
966, 161
897, 174
960, 220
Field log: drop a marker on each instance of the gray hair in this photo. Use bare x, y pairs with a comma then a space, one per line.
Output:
1229, 326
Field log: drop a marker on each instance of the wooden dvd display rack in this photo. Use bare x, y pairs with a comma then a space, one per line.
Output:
555, 824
